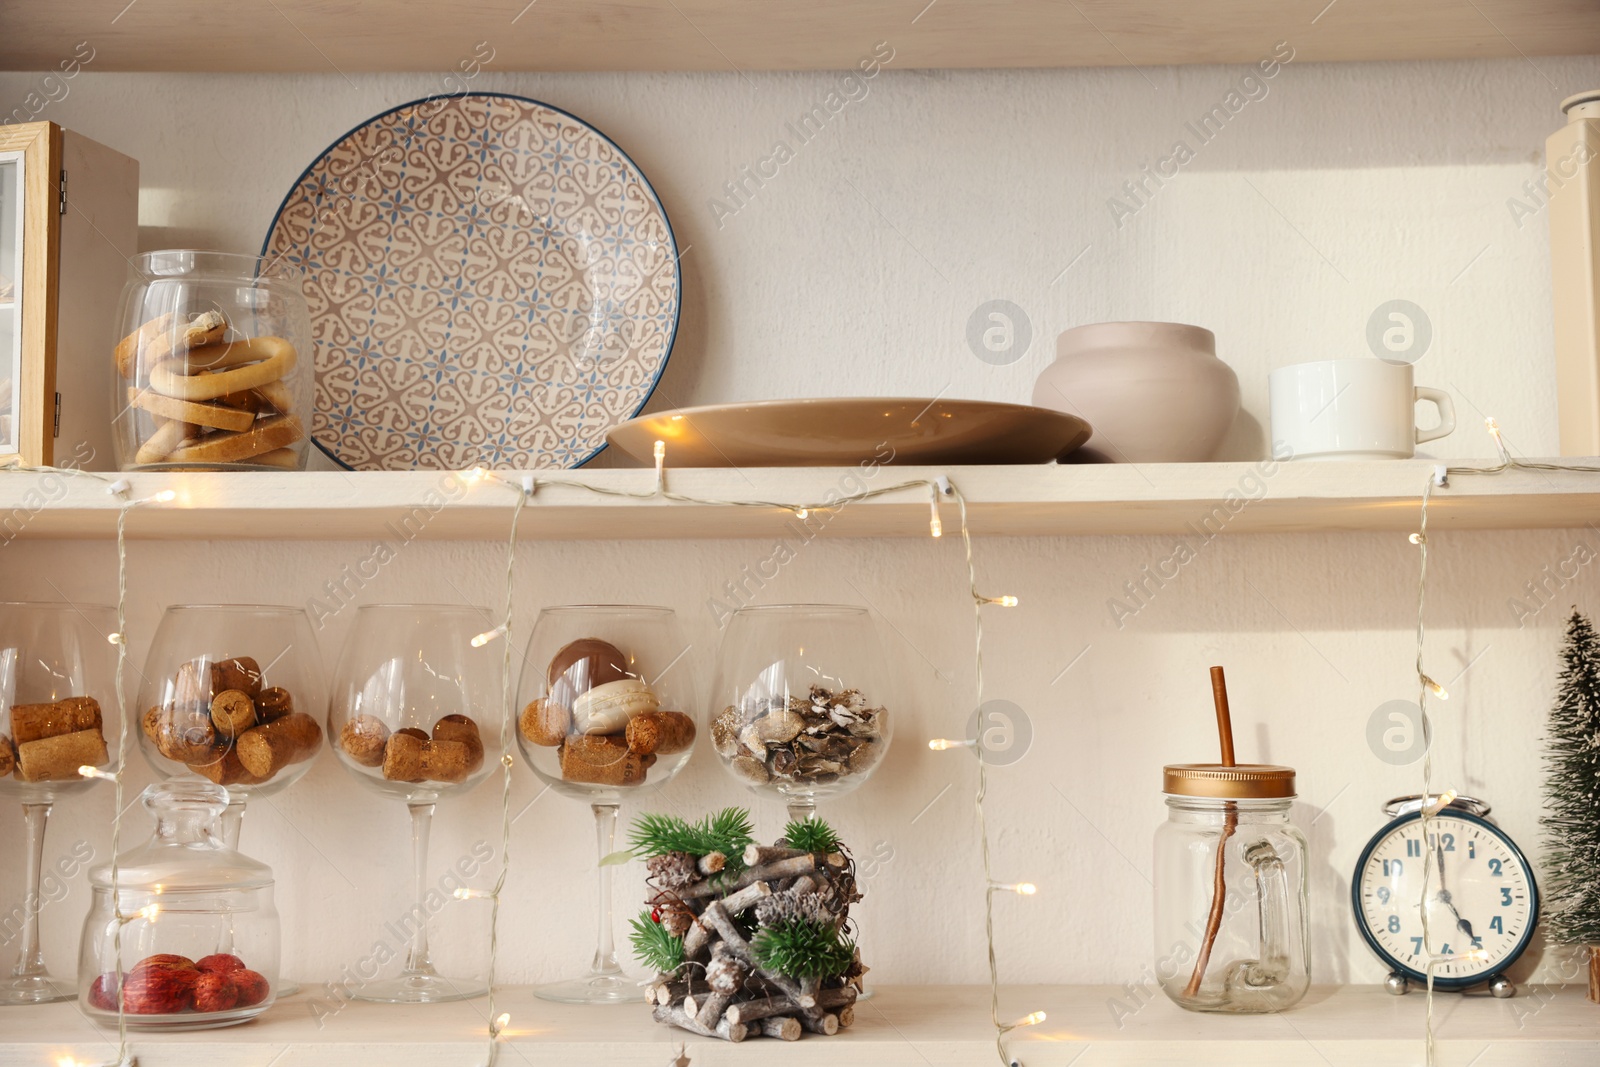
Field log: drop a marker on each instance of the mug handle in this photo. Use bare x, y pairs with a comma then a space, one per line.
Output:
1447, 413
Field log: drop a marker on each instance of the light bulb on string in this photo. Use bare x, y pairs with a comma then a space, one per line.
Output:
935, 527
1499, 442
802, 513
660, 451
501, 1021
1022, 889
488, 635
1007, 601
1031, 1019
463, 893
944, 744
1435, 688
87, 771
1418, 539
114, 638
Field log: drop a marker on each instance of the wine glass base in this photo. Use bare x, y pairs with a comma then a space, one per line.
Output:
593, 989
420, 989
35, 989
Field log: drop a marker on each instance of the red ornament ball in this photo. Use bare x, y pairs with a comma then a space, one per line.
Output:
219, 963
215, 992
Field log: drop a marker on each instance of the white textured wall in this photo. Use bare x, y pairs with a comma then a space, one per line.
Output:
854, 271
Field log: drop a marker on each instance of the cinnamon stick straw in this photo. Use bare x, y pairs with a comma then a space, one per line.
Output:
1219, 888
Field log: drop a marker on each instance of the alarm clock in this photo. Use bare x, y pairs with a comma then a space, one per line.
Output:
1483, 903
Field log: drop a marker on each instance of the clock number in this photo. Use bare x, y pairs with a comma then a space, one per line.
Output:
1416, 946
1392, 868
1477, 942
1505, 897
1494, 867
1445, 949
1394, 924
1496, 925
1383, 894
1449, 842
1413, 848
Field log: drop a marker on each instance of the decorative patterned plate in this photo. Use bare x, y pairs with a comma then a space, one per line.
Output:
492, 281
843, 432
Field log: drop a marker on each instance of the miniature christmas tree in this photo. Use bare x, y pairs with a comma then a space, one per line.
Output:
747, 939
1572, 801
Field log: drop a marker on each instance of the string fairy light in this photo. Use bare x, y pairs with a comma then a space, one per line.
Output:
1431, 805
944, 744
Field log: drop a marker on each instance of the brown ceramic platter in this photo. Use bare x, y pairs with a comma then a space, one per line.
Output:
833, 432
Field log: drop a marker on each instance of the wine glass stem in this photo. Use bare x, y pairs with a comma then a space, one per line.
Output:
30, 961
802, 808
605, 953
421, 821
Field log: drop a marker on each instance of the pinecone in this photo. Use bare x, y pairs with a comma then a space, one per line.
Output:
726, 974
672, 870
784, 906
676, 919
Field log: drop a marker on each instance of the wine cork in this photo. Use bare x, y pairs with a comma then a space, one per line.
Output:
34, 722
601, 759
225, 768
232, 713
269, 748
185, 734
57, 758
463, 729
402, 755
192, 685
448, 761
8, 756
150, 722
661, 732
274, 702
363, 739
545, 722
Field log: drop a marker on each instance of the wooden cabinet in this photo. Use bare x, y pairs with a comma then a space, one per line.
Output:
69, 223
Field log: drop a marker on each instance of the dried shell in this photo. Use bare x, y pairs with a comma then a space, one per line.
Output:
750, 769
725, 732
780, 727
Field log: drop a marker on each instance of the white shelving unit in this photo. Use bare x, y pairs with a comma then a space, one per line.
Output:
1198, 499
901, 1026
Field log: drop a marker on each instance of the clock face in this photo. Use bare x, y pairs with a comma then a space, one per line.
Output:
1482, 900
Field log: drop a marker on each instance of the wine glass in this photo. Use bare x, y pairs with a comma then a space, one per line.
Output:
233, 693
798, 703
605, 693
58, 712
414, 707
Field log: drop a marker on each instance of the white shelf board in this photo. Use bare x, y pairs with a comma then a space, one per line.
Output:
1195, 500
346, 36
901, 1026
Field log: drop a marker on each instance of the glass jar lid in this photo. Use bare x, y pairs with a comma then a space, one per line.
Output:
1244, 781
187, 852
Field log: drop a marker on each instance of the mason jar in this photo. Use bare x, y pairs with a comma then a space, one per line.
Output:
1231, 923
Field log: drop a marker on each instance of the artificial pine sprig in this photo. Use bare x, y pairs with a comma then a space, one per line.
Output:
1572, 792
803, 949
727, 832
654, 946
811, 834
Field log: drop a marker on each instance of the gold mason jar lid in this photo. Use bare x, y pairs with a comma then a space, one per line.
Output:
1246, 781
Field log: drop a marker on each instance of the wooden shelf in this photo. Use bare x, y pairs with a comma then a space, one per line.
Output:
901, 1026
1192, 500
720, 35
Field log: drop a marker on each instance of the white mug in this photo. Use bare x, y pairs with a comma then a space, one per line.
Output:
1353, 409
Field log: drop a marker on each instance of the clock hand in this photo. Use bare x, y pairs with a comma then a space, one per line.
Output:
1461, 924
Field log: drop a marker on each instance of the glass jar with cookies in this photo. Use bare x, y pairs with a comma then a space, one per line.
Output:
213, 371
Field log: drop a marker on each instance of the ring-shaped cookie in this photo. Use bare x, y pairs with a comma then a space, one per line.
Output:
167, 377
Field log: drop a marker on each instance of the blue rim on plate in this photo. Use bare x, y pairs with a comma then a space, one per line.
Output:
410, 135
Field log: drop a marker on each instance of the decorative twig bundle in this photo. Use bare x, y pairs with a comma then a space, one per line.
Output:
747, 939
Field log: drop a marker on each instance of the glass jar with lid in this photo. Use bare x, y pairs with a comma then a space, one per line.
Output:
199, 937
1231, 921
213, 369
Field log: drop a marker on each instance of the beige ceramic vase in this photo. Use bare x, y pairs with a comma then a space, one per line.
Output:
1155, 392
